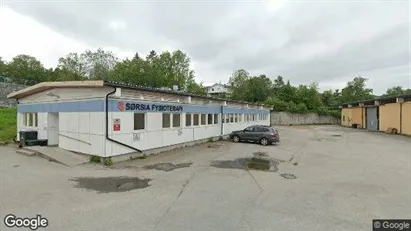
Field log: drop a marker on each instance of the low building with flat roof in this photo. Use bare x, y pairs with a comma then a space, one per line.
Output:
111, 119
381, 114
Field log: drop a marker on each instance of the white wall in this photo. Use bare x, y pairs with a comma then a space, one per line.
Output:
154, 136
82, 132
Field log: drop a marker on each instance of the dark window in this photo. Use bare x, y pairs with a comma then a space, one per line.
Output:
139, 121
215, 118
166, 120
195, 120
188, 120
210, 118
176, 120
343, 118
203, 119
249, 129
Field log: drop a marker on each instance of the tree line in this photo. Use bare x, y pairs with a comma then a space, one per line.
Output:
167, 69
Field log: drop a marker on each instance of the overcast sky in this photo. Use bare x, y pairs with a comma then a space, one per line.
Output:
328, 42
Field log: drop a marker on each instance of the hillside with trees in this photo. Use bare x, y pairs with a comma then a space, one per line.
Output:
167, 69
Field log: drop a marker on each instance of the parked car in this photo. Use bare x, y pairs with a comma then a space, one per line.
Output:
257, 133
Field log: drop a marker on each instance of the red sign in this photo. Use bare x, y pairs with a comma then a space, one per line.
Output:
116, 127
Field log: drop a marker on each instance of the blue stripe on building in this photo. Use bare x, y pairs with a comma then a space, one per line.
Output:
79, 106
133, 106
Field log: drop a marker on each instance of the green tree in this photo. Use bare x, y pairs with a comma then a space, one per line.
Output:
26, 69
72, 63
356, 91
397, 91
3, 66
98, 64
258, 89
239, 83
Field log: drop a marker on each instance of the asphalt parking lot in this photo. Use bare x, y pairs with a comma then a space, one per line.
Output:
321, 178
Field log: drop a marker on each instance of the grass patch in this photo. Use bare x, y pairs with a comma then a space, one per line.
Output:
8, 121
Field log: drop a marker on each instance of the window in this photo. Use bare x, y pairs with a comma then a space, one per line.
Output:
343, 118
25, 119
176, 120
215, 118
227, 118
196, 120
249, 129
166, 120
203, 119
30, 119
35, 120
188, 120
210, 118
236, 118
231, 118
139, 121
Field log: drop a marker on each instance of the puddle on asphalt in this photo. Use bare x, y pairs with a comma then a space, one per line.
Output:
260, 161
336, 135
288, 176
167, 167
111, 184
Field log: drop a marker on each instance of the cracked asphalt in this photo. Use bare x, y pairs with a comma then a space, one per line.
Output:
341, 183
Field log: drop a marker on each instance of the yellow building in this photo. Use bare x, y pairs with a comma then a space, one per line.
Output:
379, 115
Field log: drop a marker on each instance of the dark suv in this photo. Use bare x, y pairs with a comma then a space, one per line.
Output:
257, 133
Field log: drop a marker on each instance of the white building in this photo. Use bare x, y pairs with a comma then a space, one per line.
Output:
111, 119
218, 89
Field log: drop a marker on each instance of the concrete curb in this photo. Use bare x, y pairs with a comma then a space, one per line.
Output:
25, 152
29, 152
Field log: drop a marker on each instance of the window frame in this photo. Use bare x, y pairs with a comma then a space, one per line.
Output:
134, 121
169, 120
190, 115
179, 120
215, 118
196, 115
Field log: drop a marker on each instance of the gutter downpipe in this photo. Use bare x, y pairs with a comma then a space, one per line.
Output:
222, 124
400, 118
107, 136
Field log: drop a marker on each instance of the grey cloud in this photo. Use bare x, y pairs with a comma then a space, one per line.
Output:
304, 42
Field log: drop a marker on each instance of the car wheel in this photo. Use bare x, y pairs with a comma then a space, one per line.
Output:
264, 141
236, 139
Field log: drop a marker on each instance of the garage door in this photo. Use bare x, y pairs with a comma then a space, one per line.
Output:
372, 118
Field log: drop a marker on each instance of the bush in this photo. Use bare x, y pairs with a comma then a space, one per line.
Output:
107, 161
8, 121
95, 159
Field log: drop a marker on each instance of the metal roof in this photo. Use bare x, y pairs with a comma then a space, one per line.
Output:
381, 98
159, 90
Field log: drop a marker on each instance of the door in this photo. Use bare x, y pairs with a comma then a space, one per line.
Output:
53, 128
372, 118
248, 133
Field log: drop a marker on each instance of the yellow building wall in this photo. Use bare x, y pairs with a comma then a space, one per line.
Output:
356, 116
345, 116
390, 116
406, 118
